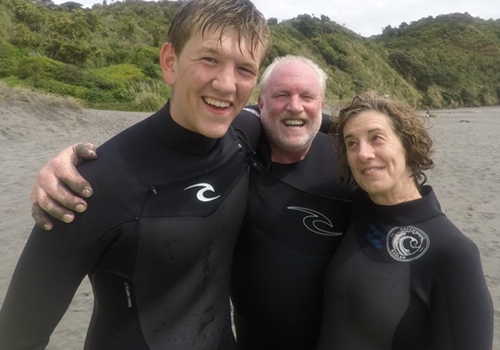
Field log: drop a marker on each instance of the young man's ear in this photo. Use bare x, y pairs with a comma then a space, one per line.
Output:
168, 61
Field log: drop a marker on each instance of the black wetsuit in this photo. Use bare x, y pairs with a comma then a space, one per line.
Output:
406, 278
296, 216
156, 242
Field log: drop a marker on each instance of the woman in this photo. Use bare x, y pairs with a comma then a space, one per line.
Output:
404, 277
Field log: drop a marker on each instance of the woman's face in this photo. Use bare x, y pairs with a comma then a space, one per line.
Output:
377, 159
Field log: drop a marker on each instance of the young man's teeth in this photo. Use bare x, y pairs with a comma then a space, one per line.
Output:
292, 122
216, 103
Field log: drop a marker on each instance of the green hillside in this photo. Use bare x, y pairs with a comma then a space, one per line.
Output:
453, 60
107, 56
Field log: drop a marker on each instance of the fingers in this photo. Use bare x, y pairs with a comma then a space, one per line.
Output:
74, 181
59, 205
58, 187
64, 168
41, 219
51, 198
42, 214
84, 151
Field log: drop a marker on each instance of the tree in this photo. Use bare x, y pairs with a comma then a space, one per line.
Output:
272, 21
71, 5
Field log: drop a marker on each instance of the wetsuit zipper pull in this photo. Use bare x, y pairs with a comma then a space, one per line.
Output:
152, 188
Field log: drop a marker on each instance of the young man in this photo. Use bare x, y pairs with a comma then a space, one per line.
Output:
296, 210
158, 237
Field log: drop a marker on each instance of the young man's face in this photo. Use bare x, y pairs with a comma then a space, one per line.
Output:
211, 81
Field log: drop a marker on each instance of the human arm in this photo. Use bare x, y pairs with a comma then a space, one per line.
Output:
463, 312
58, 185
52, 266
41, 290
248, 127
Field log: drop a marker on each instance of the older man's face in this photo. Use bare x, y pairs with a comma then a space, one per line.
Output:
291, 105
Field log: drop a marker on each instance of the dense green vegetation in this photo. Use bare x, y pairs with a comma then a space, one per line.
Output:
107, 56
453, 60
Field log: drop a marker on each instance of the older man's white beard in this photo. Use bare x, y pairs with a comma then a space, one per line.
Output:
287, 143
290, 144
294, 145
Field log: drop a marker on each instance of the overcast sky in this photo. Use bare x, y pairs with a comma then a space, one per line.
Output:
366, 17
370, 17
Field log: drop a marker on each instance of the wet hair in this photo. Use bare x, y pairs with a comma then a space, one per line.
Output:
200, 16
406, 123
322, 76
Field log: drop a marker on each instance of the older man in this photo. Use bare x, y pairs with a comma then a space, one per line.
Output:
296, 214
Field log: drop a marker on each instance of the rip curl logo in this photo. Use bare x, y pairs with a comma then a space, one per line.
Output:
201, 193
314, 220
407, 243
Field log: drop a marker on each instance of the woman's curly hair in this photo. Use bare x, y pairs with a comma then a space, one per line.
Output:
408, 125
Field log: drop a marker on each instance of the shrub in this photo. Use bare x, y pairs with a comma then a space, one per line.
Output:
39, 67
94, 81
148, 60
151, 70
10, 56
5, 23
120, 73
149, 97
70, 51
433, 98
146, 54
98, 96
58, 88
21, 36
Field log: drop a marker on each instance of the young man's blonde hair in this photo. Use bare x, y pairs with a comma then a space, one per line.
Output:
198, 16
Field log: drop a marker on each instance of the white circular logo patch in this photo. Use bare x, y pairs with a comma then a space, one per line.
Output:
407, 243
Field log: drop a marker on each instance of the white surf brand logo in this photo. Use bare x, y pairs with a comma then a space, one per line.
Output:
201, 193
315, 219
407, 243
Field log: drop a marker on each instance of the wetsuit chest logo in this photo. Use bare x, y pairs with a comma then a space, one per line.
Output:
200, 195
407, 243
316, 222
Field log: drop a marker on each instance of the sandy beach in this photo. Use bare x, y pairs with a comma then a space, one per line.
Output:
466, 179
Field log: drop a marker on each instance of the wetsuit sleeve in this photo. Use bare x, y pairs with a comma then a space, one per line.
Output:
45, 280
248, 127
464, 309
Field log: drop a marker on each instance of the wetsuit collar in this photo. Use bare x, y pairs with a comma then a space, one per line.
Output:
177, 137
409, 212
